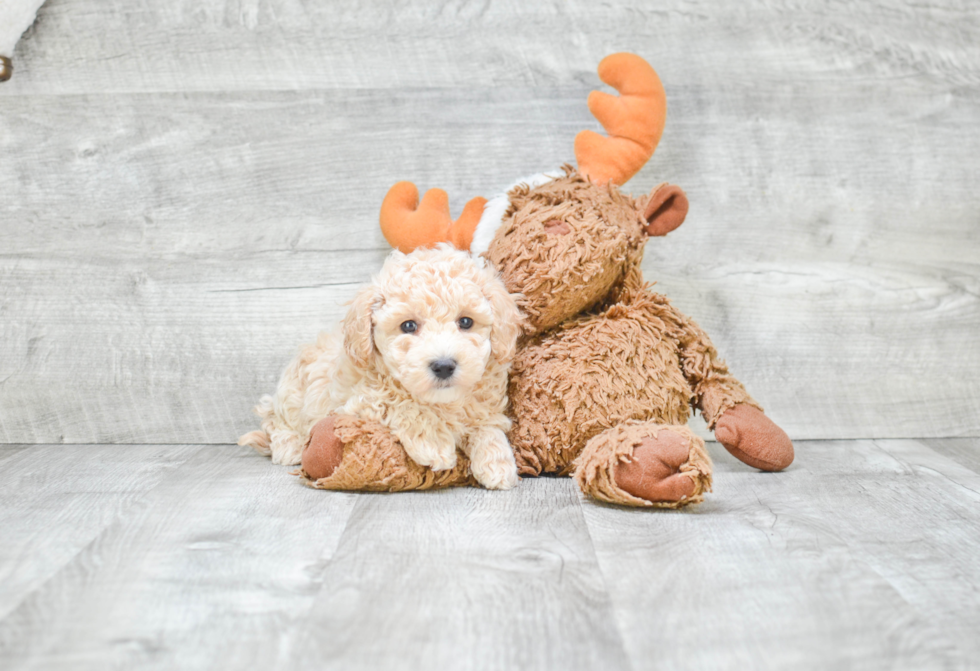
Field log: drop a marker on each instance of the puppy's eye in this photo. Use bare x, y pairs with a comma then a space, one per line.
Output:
465, 323
409, 327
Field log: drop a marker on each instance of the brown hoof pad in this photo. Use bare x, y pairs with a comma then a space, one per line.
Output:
653, 473
754, 439
323, 453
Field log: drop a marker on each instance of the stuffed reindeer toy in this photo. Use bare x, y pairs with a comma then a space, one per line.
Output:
607, 372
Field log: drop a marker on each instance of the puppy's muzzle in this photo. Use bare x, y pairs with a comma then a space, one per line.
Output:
443, 368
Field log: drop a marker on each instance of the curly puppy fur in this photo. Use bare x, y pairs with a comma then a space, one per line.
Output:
375, 370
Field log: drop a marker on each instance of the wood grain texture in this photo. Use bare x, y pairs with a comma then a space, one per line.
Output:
464, 579
56, 501
215, 566
861, 555
113, 45
961, 450
191, 191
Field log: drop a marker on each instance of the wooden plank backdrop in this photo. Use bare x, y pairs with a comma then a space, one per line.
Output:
189, 190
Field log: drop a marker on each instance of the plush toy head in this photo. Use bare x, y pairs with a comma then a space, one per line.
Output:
564, 240
567, 243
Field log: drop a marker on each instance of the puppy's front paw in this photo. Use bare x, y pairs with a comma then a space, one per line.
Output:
442, 461
499, 473
491, 459
437, 457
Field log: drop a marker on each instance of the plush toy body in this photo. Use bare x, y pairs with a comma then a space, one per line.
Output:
604, 393
608, 371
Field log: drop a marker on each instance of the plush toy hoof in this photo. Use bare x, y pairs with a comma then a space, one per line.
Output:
6, 69
653, 473
754, 439
324, 451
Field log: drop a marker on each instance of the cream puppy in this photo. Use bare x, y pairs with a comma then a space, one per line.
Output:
425, 350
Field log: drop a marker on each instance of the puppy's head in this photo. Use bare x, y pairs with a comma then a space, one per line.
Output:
436, 320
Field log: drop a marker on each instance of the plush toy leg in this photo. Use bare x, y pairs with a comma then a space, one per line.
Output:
348, 453
645, 464
754, 438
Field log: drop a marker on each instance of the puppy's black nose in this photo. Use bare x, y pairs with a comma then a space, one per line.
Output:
443, 368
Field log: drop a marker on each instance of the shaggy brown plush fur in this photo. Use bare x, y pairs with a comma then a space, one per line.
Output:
608, 362
596, 468
638, 359
374, 461
565, 274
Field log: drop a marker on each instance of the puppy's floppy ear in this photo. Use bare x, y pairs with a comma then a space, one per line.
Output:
508, 322
357, 325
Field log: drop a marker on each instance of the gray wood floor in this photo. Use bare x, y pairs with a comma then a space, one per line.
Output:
189, 189
862, 555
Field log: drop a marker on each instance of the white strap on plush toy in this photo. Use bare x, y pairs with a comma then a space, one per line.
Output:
16, 16
496, 208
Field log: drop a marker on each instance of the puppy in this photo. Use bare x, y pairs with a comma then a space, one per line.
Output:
425, 350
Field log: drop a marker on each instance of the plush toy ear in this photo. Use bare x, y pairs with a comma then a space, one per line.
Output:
357, 326
507, 319
665, 210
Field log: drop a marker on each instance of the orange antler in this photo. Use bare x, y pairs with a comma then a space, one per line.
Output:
634, 121
408, 224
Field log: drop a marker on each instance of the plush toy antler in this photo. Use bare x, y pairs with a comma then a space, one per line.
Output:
634, 120
408, 224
